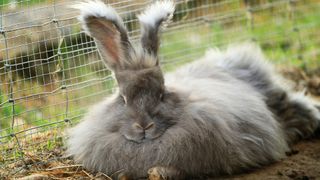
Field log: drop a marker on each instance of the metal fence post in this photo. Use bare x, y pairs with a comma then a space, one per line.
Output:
10, 94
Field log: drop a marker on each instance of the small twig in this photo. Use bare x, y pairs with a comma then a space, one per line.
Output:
103, 174
117, 172
89, 175
77, 169
57, 178
48, 156
64, 167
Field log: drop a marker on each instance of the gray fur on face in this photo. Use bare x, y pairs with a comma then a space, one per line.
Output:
217, 115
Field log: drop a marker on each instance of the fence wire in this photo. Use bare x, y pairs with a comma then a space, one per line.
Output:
50, 71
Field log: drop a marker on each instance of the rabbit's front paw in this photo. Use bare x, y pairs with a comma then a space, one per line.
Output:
164, 173
122, 176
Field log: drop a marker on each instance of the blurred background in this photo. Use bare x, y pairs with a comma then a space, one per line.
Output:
50, 71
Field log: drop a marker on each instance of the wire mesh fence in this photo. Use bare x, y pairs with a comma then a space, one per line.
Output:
50, 71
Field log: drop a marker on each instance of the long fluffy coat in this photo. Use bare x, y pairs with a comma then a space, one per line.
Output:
217, 115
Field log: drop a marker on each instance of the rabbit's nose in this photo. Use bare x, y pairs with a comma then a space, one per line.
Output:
137, 126
149, 126
141, 127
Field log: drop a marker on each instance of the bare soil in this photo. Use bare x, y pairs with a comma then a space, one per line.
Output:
302, 164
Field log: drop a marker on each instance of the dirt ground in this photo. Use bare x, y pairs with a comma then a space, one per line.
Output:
303, 163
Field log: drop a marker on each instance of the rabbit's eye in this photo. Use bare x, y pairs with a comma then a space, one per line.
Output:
124, 98
161, 96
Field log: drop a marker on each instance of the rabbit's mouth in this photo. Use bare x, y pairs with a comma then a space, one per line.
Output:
142, 137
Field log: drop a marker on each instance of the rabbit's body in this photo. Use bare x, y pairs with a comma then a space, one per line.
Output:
223, 127
211, 117
217, 131
298, 116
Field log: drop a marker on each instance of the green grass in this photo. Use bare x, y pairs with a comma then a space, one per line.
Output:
7, 111
21, 2
283, 40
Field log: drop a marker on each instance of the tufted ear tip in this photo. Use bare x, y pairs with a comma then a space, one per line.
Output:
98, 9
103, 23
160, 11
151, 20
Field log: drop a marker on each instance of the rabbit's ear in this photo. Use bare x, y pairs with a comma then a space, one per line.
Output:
151, 20
107, 28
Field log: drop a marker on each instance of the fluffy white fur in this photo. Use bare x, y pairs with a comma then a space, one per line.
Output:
97, 9
157, 11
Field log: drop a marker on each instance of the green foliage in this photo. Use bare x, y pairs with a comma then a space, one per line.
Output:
21, 2
6, 111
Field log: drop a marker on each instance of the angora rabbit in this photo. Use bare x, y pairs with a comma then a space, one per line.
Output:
222, 114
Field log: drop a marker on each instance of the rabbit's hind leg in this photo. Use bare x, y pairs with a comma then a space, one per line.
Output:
298, 115
162, 173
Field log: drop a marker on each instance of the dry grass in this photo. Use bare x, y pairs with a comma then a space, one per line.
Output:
45, 163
